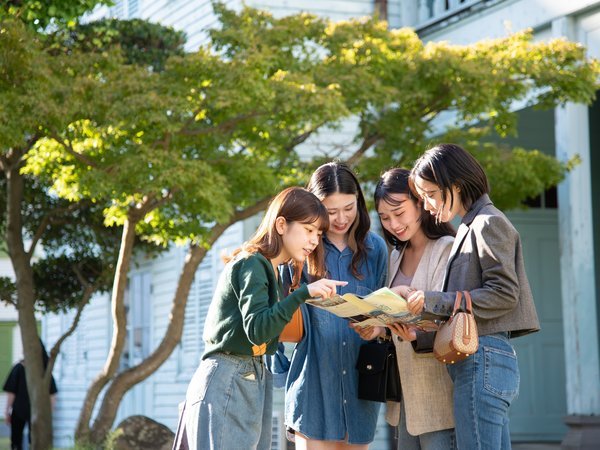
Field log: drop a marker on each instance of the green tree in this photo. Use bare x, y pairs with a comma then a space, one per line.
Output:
178, 155
39, 14
39, 94
48, 82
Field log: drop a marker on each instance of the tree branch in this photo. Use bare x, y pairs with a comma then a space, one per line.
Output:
225, 126
248, 212
119, 331
87, 295
367, 143
69, 149
14, 156
47, 219
300, 138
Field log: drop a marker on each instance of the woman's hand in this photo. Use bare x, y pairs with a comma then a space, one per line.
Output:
368, 333
406, 333
416, 301
403, 290
324, 287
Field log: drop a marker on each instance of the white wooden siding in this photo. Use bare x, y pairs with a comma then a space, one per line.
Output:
394, 13
82, 356
333, 9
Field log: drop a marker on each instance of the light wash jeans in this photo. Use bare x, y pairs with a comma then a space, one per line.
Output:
229, 404
435, 440
485, 384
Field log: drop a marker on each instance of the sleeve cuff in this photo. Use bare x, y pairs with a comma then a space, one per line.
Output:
424, 342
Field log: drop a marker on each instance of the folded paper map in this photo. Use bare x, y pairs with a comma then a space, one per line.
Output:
380, 308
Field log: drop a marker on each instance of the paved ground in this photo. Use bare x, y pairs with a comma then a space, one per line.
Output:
536, 446
5, 432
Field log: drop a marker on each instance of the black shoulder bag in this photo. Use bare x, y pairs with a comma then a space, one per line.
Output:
378, 377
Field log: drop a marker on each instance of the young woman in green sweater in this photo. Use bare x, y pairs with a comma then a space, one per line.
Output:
229, 400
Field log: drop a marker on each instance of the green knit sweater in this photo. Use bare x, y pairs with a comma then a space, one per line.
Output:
248, 311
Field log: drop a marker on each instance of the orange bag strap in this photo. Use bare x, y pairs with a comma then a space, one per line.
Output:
457, 302
469, 303
467, 328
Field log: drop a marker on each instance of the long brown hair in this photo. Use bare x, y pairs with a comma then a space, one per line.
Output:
294, 204
336, 177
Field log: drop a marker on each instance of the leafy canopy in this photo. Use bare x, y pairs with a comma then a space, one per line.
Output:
46, 88
219, 129
39, 14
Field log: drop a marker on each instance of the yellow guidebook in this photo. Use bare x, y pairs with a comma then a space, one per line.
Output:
380, 308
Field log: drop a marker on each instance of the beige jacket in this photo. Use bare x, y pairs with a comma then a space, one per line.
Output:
426, 385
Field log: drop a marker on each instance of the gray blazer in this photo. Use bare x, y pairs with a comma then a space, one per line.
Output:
487, 260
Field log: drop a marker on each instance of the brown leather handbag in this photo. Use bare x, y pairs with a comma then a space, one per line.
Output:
294, 330
457, 338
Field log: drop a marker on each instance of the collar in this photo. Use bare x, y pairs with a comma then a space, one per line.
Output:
482, 201
368, 241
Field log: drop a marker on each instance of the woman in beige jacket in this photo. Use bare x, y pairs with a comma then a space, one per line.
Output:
421, 249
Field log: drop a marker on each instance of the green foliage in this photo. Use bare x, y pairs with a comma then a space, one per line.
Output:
58, 287
515, 174
142, 42
42, 92
39, 14
398, 86
8, 292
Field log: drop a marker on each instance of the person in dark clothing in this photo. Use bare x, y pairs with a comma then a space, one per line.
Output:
18, 411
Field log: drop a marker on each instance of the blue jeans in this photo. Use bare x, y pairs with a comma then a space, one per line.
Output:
229, 404
435, 440
485, 384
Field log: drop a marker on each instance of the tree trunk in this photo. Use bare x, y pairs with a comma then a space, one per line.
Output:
82, 431
39, 397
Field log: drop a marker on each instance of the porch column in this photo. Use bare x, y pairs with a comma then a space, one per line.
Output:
582, 361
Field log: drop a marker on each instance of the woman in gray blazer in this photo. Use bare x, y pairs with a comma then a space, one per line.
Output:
487, 260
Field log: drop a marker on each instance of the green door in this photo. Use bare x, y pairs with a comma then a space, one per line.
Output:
538, 411
6, 338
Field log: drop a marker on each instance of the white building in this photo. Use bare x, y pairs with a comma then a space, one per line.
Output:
560, 365
560, 370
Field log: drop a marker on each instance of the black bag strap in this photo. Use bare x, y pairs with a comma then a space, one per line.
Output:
286, 276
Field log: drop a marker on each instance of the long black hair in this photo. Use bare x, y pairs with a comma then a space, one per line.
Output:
395, 181
334, 178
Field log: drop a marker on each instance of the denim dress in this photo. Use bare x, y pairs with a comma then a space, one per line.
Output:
321, 400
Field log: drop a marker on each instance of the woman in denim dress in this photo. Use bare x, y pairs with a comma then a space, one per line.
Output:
229, 400
322, 405
486, 260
